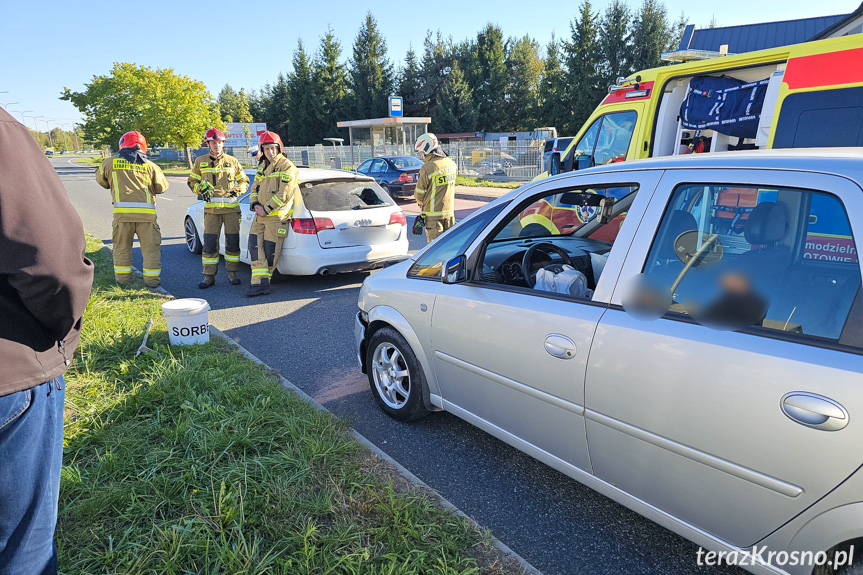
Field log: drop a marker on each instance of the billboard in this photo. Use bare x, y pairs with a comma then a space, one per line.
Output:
237, 137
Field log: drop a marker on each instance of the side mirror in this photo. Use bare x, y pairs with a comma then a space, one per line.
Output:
583, 161
455, 270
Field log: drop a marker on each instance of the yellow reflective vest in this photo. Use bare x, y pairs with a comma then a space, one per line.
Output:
274, 187
226, 175
133, 188
435, 191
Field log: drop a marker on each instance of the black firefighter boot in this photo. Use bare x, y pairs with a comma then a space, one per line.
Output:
208, 281
262, 288
232, 276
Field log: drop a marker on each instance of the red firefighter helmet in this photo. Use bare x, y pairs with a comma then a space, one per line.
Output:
132, 139
269, 138
215, 135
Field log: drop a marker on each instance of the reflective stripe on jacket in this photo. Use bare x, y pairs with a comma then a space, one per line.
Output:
133, 188
274, 187
225, 174
435, 191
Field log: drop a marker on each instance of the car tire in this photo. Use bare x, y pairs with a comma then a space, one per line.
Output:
193, 240
389, 191
395, 376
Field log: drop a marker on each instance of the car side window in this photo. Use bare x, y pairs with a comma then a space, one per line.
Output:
364, 167
734, 257
430, 264
557, 242
378, 166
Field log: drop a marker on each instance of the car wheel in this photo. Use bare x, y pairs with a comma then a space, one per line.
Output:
193, 241
389, 192
395, 376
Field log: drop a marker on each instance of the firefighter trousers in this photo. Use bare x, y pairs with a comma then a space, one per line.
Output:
265, 244
150, 240
437, 226
212, 228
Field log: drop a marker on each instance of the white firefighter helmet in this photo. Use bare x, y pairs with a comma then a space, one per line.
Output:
426, 143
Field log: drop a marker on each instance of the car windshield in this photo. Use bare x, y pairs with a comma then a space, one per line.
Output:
406, 162
344, 195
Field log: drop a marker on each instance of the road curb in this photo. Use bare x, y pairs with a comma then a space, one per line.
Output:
404, 472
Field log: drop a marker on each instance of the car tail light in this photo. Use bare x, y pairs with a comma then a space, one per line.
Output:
311, 225
406, 178
398, 218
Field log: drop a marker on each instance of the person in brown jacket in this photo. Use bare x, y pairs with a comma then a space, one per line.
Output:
134, 182
220, 180
435, 191
45, 283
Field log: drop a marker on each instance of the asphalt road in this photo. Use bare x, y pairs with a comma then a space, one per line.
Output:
304, 329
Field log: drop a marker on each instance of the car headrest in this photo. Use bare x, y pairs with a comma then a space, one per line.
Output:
766, 224
680, 221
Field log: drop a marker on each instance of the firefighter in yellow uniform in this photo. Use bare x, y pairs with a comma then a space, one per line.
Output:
272, 198
134, 182
435, 191
219, 179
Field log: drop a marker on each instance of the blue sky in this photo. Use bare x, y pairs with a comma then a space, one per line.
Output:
47, 45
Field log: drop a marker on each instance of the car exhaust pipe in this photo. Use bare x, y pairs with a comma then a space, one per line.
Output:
324, 271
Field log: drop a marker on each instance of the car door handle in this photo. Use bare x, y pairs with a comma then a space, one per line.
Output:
815, 411
559, 346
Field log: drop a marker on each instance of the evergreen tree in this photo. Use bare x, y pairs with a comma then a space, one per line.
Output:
524, 67
276, 106
436, 66
651, 35
676, 33
552, 88
456, 111
330, 88
228, 103
490, 71
301, 116
371, 74
584, 64
614, 42
411, 86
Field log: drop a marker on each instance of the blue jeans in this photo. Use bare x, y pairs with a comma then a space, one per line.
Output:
31, 454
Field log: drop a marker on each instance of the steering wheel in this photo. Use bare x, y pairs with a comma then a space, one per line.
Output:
547, 248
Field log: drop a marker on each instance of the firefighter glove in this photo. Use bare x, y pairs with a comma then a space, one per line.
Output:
419, 224
206, 190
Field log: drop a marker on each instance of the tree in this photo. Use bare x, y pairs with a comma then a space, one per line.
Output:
168, 109
524, 67
490, 90
552, 88
411, 86
584, 64
614, 42
436, 66
651, 35
370, 72
301, 114
244, 114
330, 86
456, 111
228, 104
271, 106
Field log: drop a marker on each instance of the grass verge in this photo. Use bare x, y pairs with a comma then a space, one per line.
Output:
482, 183
196, 460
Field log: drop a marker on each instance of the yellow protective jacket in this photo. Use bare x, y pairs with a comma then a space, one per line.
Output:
435, 191
274, 187
133, 188
226, 175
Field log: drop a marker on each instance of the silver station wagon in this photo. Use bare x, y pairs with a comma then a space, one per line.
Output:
683, 335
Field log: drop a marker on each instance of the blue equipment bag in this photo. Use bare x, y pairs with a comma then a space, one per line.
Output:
725, 105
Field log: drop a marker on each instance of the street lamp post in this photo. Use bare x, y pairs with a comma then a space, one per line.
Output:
38, 132
62, 131
48, 131
8, 104
74, 137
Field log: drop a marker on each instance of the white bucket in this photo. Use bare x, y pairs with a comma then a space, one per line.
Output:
188, 323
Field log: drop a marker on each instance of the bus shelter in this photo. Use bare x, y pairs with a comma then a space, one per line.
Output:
385, 133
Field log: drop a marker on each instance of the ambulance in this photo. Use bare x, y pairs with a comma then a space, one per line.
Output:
803, 95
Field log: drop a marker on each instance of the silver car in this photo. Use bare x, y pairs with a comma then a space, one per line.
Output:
683, 335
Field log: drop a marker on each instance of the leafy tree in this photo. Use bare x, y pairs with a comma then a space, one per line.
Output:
455, 111
614, 42
330, 87
370, 72
651, 35
166, 108
490, 71
411, 86
228, 103
301, 114
524, 66
552, 88
244, 115
583, 62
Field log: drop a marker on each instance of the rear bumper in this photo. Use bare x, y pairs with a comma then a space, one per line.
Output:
399, 189
315, 260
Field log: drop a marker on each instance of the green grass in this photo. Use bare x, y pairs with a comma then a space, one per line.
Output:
482, 183
196, 460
